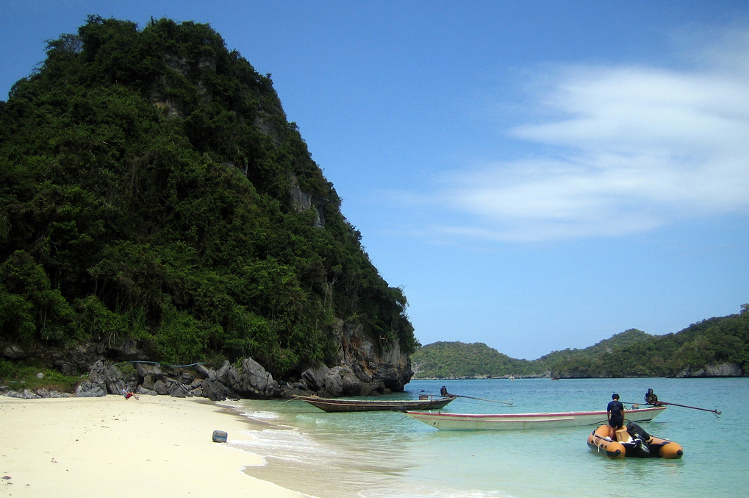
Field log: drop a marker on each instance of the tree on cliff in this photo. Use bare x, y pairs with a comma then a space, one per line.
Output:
146, 181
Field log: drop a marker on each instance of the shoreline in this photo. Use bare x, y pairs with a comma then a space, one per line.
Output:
156, 444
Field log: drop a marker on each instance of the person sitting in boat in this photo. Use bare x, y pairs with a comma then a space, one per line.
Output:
443, 391
615, 413
651, 398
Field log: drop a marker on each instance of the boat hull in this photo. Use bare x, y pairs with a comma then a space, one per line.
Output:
522, 421
348, 405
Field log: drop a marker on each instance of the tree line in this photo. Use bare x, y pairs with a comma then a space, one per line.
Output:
633, 353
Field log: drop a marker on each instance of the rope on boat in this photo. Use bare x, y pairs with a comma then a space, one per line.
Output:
404, 417
451, 395
481, 399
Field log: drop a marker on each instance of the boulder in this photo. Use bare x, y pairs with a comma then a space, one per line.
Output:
252, 381
315, 377
259, 379
107, 377
206, 373
223, 372
214, 390
350, 383
14, 352
25, 394
333, 383
146, 391
44, 393
149, 370
176, 389
88, 389
160, 387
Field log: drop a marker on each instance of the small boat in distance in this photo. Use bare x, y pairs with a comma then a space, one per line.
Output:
520, 421
367, 405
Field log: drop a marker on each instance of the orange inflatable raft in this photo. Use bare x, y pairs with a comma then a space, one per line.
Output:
632, 441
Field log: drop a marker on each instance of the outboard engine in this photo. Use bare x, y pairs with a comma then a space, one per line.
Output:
637, 432
639, 436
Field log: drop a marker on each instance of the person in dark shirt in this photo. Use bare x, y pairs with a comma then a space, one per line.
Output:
615, 413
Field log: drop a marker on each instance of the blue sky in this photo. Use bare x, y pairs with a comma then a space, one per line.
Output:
536, 175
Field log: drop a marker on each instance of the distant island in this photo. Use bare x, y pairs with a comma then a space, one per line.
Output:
715, 347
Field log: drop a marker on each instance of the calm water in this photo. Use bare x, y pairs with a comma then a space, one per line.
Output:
386, 454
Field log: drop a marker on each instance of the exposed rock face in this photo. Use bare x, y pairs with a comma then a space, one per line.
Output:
721, 370
363, 368
303, 201
77, 359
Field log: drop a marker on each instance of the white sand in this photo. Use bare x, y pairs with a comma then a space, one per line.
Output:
110, 446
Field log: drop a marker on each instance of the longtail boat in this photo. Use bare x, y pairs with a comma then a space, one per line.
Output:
366, 405
519, 421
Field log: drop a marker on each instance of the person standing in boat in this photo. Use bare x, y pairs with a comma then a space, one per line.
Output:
615, 413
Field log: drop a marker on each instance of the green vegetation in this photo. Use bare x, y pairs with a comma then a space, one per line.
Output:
25, 375
451, 360
632, 353
146, 182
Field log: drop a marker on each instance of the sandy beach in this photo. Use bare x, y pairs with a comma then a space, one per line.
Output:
116, 447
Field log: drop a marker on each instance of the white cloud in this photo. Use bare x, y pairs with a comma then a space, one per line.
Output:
621, 150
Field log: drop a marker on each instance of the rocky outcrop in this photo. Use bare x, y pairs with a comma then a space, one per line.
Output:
363, 367
78, 359
252, 380
39, 393
721, 370
368, 367
303, 201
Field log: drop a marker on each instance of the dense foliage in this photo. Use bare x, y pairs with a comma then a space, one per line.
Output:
145, 193
632, 353
455, 360
711, 342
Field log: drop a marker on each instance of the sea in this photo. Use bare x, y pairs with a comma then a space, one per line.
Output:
386, 454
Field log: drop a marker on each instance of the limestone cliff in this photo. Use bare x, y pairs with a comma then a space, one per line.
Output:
158, 206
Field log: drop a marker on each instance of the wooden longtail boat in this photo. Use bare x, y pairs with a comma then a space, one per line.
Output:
519, 421
367, 405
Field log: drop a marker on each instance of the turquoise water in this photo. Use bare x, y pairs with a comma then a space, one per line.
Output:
386, 454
